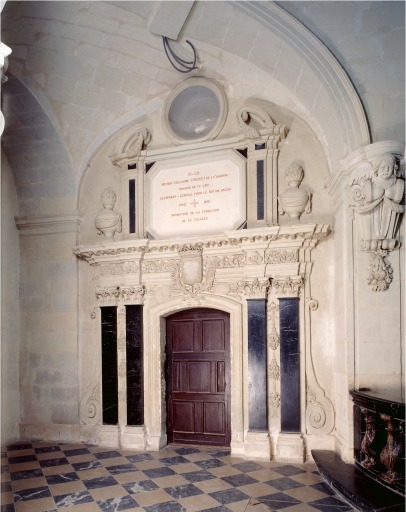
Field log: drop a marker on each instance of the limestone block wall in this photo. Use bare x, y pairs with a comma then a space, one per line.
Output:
48, 301
10, 309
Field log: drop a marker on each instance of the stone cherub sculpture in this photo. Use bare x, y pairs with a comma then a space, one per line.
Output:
378, 194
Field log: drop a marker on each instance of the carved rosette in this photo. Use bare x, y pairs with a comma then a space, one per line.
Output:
287, 286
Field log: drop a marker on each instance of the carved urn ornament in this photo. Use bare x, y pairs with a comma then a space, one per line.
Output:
378, 192
107, 221
294, 200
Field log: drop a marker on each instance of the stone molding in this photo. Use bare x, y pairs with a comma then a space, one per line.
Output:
299, 234
47, 224
319, 408
342, 93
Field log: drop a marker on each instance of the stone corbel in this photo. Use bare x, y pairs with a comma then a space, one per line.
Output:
377, 185
130, 147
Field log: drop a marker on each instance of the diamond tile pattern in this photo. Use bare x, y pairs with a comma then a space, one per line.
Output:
47, 477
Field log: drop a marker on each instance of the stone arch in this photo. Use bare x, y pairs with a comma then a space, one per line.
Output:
334, 112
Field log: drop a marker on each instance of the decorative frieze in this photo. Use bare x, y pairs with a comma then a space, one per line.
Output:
254, 289
234, 260
157, 266
287, 286
118, 268
275, 257
113, 294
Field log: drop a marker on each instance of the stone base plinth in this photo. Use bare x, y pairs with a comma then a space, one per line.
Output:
257, 446
290, 448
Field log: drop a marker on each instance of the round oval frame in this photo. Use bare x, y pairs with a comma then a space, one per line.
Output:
216, 89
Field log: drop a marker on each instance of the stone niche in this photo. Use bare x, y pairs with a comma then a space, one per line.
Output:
198, 225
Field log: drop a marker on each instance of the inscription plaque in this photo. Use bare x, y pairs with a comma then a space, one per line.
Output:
196, 195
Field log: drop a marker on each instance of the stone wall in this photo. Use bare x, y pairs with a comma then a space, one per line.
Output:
10, 309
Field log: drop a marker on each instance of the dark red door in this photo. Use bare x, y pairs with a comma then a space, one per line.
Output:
198, 377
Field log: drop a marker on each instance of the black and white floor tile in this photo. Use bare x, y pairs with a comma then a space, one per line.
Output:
39, 477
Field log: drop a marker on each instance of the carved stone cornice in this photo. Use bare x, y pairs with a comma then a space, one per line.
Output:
293, 235
287, 286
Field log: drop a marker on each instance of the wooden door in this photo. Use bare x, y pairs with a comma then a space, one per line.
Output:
198, 377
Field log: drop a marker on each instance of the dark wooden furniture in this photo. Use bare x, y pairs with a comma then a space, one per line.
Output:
376, 480
379, 437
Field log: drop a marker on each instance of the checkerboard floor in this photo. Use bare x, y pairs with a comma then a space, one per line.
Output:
40, 477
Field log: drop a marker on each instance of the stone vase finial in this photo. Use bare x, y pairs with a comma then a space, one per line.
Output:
107, 221
294, 200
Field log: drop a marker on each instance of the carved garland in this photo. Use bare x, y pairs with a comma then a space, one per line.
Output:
273, 367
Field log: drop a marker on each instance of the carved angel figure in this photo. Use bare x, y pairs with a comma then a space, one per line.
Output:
379, 200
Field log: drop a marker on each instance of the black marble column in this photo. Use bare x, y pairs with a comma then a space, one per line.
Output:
290, 364
257, 361
109, 365
134, 356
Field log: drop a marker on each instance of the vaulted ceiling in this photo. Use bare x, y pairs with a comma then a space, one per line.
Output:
79, 71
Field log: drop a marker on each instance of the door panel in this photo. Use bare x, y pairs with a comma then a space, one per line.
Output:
198, 376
